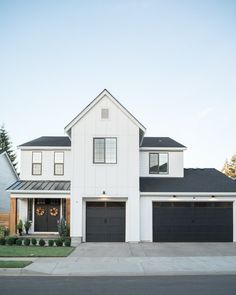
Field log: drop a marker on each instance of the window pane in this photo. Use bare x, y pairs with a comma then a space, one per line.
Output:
153, 162
37, 157
110, 150
59, 157
163, 163
99, 150
37, 169
59, 169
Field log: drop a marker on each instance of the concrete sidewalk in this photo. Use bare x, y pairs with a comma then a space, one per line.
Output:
123, 259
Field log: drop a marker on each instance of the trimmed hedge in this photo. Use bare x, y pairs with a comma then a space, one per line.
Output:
67, 242
2, 241
42, 243
26, 241
33, 241
19, 242
51, 243
59, 243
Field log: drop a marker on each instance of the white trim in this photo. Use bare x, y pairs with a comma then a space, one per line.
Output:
162, 149
44, 148
94, 102
31, 194
187, 194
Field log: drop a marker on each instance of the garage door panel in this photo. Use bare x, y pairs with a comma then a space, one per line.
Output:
192, 222
105, 222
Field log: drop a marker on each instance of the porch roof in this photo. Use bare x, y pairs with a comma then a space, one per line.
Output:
40, 185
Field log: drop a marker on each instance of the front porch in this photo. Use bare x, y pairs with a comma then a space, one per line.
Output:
43, 212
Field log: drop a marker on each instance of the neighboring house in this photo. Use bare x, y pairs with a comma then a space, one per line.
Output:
8, 175
114, 184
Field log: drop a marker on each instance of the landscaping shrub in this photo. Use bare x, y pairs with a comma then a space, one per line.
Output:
59, 243
33, 241
63, 229
68, 242
26, 242
10, 241
19, 242
42, 242
51, 243
2, 241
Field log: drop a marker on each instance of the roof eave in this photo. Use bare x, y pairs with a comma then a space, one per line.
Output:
163, 148
188, 193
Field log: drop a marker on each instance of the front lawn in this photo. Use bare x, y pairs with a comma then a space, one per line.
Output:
34, 251
14, 264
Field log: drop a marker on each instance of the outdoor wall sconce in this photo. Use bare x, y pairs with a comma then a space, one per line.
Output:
174, 197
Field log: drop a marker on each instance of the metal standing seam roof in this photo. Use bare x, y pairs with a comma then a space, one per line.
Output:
43, 185
195, 180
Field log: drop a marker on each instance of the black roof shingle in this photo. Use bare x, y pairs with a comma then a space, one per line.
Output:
61, 141
194, 180
161, 142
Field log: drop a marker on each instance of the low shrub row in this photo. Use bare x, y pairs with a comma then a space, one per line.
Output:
27, 242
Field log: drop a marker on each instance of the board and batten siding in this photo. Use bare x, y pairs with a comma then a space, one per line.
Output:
175, 165
119, 180
47, 165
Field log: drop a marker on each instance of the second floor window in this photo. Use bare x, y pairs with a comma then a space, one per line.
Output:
37, 163
158, 163
59, 163
105, 150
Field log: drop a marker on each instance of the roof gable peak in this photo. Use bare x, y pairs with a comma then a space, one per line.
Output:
105, 92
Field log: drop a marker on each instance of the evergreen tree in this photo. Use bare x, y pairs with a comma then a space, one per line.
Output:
229, 168
6, 145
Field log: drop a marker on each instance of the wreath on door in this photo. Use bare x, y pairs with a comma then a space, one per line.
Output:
53, 211
40, 211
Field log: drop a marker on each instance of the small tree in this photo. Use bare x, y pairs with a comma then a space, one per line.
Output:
229, 168
63, 228
6, 145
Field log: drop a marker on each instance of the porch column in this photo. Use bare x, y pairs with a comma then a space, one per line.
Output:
13, 215
67, 210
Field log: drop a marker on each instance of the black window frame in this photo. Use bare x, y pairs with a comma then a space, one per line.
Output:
63, 164
104, 138
158, 155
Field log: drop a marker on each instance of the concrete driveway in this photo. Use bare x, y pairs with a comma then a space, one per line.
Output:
154, 249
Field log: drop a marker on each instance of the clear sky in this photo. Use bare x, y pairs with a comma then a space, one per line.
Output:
171, 63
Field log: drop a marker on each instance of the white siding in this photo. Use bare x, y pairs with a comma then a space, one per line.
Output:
47, 165
119, 180
176, 164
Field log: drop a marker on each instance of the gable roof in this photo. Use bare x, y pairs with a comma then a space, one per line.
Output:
57, 141
94, 102
4, 154
207, 180
161, 142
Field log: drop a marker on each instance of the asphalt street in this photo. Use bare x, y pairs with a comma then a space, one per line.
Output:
166, 285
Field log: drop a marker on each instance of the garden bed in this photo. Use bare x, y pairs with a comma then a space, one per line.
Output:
34, 251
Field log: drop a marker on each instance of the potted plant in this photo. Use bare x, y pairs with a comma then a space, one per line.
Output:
20, 227
27, 226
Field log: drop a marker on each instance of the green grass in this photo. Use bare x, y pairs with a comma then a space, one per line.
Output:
34, 251
14, 264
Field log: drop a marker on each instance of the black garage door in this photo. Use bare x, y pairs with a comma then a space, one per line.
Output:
192, 221
105, 221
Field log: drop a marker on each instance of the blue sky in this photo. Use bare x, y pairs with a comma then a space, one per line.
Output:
171, 63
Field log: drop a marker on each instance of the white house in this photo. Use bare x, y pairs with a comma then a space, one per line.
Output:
114, 184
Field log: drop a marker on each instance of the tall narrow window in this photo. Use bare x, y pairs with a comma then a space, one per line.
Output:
105, 150
37, 163
59, 163
158, 163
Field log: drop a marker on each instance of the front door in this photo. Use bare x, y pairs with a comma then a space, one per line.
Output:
105, 222
47, 215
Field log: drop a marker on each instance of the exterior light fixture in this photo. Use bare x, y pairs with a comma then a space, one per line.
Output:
174, 196
103, 196
212, 197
